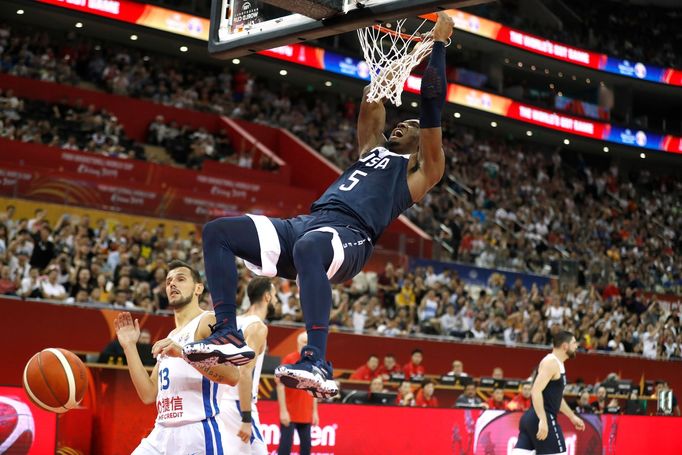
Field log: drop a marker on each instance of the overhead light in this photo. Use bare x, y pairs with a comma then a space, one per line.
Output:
414, 104
183, 49
133, 37
328, 84
520, 64
561, 74
551, 86
560, 93
20, 12
642, 155
546, 71
588, 80
566, 142
236, 61
574, 77
493, 124
532, 67
602, 84
606, 149
459, 46
506, 60
79, 25
283, 72
145, 58
529, 133
457, 115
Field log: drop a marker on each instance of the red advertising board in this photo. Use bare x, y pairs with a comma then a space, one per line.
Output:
364, 429
125, 197
91, 165
24, 427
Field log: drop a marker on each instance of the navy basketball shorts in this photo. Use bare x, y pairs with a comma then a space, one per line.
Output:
352, 247
528, 429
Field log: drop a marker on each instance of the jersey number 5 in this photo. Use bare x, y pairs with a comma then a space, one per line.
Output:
163, 377
353, 181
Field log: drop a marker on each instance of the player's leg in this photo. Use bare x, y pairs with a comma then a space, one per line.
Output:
258, 446
554, 443
223, 240
232, 420
528, 427
286, 438
322, 255
304, 436
154, 444
312, 255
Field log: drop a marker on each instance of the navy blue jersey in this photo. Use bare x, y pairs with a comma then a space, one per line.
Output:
373, 191
554, 390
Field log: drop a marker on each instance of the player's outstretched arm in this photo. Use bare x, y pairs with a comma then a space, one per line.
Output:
255, 336
431, 158
371, 124
546, 371
128, 333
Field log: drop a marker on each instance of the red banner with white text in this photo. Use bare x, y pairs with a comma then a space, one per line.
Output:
86, 179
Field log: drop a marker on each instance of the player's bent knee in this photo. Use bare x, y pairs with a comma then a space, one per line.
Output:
311, 247
211, 229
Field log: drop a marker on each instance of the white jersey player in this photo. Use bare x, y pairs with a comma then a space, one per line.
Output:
238, 408
187, 401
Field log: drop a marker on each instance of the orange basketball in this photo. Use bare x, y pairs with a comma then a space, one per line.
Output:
55, 379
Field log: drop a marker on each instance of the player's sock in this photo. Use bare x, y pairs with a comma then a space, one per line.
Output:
312, 255
224, 238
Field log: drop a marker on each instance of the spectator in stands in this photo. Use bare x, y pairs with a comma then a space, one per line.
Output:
457, 369
469, 398
377, 386
601, 402
31, 285
43, 248
448, 322
387, 284
389, 367
405, 395
367, 371
414, 368
428, 311
498, 373
556, 313
425, 395
8, 286
522, 400
498, 401
49, 286
583, 405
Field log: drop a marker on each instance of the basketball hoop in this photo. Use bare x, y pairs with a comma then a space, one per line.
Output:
391, 54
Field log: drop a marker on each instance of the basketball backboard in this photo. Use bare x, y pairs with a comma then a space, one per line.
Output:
243, 27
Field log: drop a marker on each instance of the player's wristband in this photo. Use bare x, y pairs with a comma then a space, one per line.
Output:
246, 417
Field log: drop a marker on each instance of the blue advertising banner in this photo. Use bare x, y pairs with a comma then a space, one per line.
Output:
479, 276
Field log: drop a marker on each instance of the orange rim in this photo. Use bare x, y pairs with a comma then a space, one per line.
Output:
391, 32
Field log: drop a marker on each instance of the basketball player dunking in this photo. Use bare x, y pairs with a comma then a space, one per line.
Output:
186, 400
238, 409
334, 242
539, 431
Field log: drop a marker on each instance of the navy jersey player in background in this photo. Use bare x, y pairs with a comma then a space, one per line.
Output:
333, 243
539, 430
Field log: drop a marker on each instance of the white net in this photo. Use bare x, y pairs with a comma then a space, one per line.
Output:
391, 55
